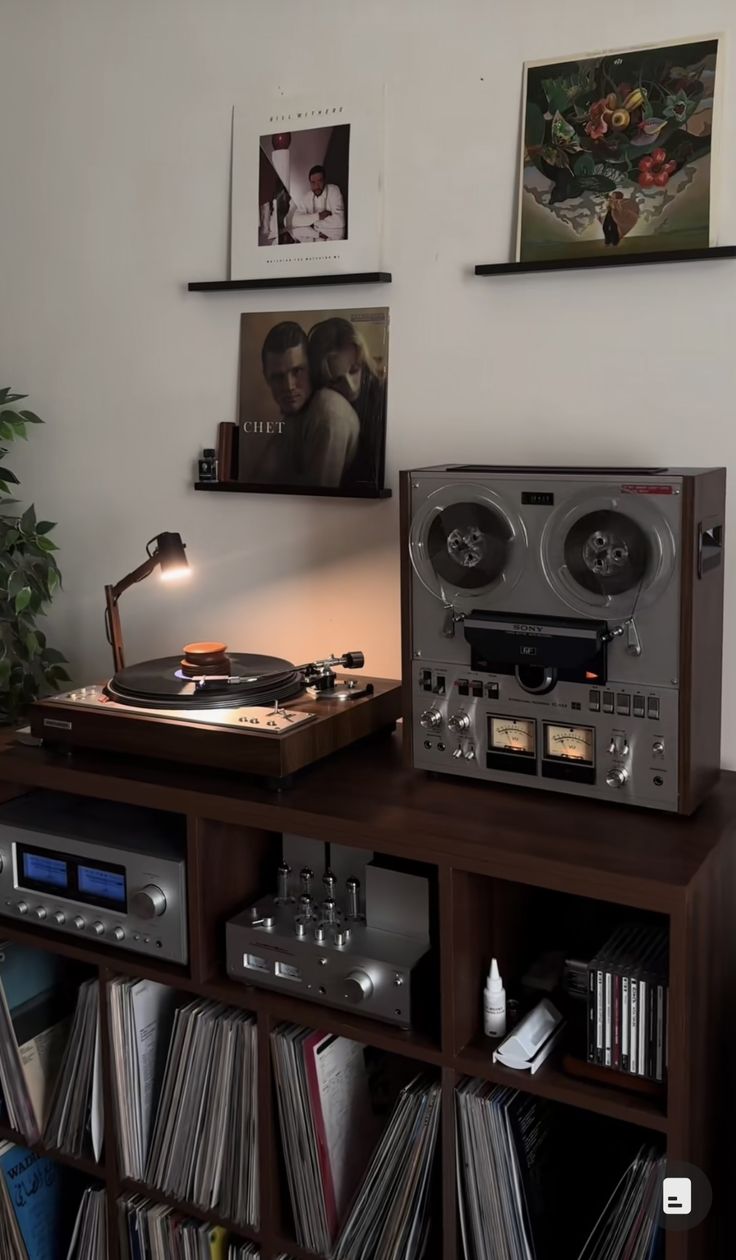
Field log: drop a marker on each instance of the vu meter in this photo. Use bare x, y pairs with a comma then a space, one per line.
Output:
573, 743
513, 735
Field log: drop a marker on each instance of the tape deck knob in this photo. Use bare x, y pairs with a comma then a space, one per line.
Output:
458, 722
431, 719
148, 902
358, 986
616, 778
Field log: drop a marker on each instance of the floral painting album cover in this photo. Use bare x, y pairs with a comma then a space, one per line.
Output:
617, 152
313, 399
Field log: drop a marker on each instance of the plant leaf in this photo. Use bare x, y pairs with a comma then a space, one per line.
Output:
28, 520
53, 580
33, 647
45, 527
23, 599
16, 583
31, 417
53, 656
46, 544
7, 475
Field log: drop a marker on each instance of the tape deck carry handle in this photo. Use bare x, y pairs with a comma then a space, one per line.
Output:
710, 544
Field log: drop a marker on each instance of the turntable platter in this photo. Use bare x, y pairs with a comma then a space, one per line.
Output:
163, 684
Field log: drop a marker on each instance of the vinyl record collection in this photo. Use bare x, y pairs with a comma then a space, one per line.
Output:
150, 1231
512, 1196
75, 1123
382, 1211
204, 1148
34, 1026
89, 1240
186, 1085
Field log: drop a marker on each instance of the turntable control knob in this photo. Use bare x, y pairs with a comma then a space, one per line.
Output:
458, 722
358, 986
41, 912
22, 907
431, 719
148, 902
616, 778
98, 928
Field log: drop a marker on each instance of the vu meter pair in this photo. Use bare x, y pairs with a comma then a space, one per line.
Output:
563, 628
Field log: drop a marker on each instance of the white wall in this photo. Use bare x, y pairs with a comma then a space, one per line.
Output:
114, 150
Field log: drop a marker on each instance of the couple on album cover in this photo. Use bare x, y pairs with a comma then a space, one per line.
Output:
330, 395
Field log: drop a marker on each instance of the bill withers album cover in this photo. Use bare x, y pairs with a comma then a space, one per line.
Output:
307, 186
312, 408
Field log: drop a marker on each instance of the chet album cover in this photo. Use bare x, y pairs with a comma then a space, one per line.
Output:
307, 186
312, 405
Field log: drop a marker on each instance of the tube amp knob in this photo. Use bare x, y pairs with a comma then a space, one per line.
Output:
617, 777
458, 722
358, 986
431, 719
148, 902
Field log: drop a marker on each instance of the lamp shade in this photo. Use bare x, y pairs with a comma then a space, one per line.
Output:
170, 552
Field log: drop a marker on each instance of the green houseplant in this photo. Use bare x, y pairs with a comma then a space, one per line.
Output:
29, 577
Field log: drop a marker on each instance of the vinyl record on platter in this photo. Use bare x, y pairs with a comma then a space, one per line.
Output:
468, 545
161, 684
607, 552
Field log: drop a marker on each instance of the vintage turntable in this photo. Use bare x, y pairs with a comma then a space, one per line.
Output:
257, 714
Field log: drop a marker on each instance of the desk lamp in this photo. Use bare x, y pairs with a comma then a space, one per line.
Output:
165, 552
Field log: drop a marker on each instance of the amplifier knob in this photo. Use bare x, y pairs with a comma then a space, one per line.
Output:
616, 778
22, 907
59, 917
40, 912
119, 934
657, 749
98, 928
458, 722
431, 719
148, 902
358, 986
78, 922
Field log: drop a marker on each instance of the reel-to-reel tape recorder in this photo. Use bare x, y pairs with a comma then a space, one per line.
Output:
563, 628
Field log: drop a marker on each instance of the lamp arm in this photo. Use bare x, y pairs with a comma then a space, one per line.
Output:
113, 628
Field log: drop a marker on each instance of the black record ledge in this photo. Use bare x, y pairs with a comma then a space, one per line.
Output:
613, 259
289, 282
248, 487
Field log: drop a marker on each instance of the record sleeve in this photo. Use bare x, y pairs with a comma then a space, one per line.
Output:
307, 185
313, 388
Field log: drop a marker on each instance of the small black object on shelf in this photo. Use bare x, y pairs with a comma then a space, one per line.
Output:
289, 282
254, 487
612, 259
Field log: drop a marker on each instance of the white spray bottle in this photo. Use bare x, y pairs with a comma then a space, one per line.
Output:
494, 1004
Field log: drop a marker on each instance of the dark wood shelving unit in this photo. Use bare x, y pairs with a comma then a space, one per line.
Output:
289, 282
613, 259
507, 865
253, 487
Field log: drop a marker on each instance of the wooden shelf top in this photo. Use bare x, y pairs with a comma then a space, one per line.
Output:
553, 1083
89, 1167
364, 796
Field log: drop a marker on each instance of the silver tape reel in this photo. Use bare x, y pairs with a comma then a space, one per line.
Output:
465, 541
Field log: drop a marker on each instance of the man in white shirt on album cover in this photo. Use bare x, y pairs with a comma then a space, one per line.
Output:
320, 213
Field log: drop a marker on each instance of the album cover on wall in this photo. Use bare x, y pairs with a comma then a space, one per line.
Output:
307, 187
618, 152
312, 410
